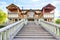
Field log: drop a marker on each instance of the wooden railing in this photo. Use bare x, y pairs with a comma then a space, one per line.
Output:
52, 28
8, 32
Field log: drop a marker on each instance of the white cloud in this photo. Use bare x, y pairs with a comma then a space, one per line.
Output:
57, 13
3, 5
55, 3
27, 6
2, 2
35, 0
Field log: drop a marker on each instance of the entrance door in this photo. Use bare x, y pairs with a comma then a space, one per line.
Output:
31, 16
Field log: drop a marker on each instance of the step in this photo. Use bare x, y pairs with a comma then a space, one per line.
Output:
34, 37
32, 31
34, 34
31, 39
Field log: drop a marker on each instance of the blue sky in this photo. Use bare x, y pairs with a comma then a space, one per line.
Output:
31, 4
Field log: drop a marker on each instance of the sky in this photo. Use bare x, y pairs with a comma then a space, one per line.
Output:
31, 4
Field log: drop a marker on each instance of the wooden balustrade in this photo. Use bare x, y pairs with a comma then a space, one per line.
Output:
8, 32
52, 28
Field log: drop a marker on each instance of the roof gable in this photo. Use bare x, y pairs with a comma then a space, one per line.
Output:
49, 6
11, 5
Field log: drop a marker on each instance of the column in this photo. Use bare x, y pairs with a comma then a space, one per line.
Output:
13, 20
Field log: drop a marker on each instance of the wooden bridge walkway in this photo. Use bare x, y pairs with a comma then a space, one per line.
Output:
32, 31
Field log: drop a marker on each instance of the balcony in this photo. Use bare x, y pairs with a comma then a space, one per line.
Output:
48, 15
13, 15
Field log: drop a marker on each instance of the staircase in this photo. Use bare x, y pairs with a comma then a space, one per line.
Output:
33, 32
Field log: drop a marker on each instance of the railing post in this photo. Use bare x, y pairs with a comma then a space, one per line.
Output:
25, 20
0, 36
58, 31
3, 36
39, 21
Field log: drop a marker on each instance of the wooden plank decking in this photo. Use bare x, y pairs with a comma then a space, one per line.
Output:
33, 32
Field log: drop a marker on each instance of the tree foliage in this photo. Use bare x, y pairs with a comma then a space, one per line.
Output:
57, 21
3, 17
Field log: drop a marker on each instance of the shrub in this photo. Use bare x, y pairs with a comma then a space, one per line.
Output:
1, 26
57, 21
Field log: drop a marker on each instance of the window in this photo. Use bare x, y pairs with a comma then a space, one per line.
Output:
45, 19
30, 19
16, 20
10, 19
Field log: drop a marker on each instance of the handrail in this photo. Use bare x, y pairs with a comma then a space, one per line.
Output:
53, 24
9, 26
52, 28
8, 32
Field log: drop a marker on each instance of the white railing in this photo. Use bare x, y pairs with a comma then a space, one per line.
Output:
8, 32
52, 28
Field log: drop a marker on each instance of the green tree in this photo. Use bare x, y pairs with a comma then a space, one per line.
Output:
57, 21
3, 17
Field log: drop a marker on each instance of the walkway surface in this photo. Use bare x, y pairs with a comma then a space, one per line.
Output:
33, 31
